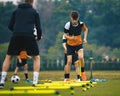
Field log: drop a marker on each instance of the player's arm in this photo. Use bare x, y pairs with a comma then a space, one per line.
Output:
12, 22
38, 26
64, 46
66, 32
19, 59
84, 27
64, 43
69, 37
29, 57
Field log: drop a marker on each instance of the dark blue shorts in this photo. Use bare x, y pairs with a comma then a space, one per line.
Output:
19, 43
24, 61
74, 58
72, 49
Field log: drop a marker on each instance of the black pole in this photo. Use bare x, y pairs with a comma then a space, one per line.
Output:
91, 69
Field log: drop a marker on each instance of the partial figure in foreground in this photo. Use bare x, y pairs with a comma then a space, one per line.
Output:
22, 24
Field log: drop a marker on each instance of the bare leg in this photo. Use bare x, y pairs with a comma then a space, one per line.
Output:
36, 68
5, 67
36, 63
81, 58
25, 68
77, 68
16, 70
69, 61
6, 63
67, 68
26, 71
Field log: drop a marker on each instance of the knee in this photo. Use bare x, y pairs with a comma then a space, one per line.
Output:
76, 64
69, 62
8, 57
25, 68
81, 57
36, 57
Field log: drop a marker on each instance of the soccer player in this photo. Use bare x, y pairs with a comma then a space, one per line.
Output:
22, 24
75, 62
72, 32
22, 61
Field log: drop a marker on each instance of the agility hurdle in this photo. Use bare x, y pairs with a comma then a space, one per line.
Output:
41, 87
47, 88
13, 92
59, 85
68, 83
84, 84
72, 81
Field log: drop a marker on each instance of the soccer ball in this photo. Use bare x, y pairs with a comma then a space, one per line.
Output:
15, 79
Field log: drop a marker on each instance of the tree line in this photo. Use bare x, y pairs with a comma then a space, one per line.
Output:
101, 17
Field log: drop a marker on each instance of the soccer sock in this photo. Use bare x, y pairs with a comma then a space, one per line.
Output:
67, 76
35, 77
78, 76
3, 76
26, 75
82, 69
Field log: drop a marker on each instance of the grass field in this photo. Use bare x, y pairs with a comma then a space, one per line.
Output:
109, 88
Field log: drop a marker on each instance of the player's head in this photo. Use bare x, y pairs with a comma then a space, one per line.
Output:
29, 1
74, 17
23, 52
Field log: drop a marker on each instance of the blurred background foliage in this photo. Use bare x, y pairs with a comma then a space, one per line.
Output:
100, 16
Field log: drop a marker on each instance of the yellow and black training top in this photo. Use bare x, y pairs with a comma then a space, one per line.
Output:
74, 30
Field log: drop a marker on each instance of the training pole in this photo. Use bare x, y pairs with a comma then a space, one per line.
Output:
91, 68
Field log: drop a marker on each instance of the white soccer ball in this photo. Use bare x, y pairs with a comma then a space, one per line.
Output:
15, 79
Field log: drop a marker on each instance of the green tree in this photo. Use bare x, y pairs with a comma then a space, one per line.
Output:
3, 50
5, 13
107, 22
56, 51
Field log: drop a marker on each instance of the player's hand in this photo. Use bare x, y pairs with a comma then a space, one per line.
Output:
20, 61
72, 37
84, 41
29, 57
39, 37
65, 51
69, 37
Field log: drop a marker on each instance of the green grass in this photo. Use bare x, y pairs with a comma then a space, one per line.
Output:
109, 88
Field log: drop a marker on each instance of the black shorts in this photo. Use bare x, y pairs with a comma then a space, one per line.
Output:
24, 61
19, 43
74, 58
72, 49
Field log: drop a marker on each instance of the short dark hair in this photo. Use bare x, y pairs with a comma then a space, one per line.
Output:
29, 1
74, 15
